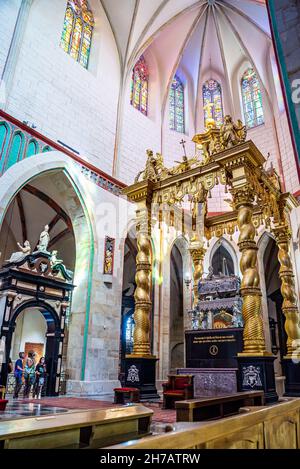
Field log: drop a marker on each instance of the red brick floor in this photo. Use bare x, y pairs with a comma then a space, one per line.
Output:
74, 403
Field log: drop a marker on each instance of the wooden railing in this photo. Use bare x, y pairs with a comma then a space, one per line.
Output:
19, 141
273, 427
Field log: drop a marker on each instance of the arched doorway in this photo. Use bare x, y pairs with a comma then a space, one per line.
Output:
176, 350
274, 299
55, 196
127, 311
32, 315
222, 262
34, 206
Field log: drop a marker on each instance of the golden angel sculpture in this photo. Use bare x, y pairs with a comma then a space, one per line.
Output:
154, 170
232, 134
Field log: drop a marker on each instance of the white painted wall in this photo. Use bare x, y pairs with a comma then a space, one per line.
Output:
64, 100
30, 327
8, 15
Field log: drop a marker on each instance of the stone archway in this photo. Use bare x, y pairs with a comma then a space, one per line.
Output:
176, 310
69, 193
53, 340
229, 250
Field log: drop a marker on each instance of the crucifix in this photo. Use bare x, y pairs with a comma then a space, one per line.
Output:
183, 142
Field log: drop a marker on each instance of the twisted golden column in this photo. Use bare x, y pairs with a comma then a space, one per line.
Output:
142, 295
254, 340
289, 306
197, 253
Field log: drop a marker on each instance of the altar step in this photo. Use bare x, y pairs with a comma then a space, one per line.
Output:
210, 382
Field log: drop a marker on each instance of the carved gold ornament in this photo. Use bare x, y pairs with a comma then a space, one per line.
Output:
223, 156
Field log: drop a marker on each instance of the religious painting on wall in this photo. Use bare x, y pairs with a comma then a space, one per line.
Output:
109, 250
34, 350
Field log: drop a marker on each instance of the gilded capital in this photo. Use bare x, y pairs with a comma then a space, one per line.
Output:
242, 196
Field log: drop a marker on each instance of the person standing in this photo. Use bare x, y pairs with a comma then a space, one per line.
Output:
29, 376
18, 374
40, 374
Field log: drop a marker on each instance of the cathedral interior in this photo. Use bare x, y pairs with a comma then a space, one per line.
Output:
150, 224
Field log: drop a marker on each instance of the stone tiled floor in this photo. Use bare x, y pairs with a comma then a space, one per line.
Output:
17, 409
54, 405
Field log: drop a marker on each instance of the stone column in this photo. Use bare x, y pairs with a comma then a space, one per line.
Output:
289, 307
254, 340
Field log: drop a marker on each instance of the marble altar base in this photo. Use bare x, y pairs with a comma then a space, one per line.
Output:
210, 382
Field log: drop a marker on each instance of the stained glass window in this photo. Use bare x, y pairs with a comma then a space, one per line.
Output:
252, 100
129, 330
212, 102
139, 86
176, 105
77, 32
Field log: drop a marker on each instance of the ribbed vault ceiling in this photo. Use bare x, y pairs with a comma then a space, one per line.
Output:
136, 23
192, 38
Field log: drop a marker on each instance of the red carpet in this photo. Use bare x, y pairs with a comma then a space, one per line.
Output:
73, 403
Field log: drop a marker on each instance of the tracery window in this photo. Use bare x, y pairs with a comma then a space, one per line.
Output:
139, 86
129, 330
176, 105
252, 100
77, 32
212, 102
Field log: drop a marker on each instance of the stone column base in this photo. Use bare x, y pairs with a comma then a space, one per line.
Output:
140, 373
291, 370
257, 374
91, 388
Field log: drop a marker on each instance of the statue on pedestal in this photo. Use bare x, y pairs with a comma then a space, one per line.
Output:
54, 261
20, 255
209, 118
44, 240
237, 319
232, 134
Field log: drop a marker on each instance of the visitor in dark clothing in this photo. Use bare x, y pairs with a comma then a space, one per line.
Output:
40, 375
29, 376
18, 374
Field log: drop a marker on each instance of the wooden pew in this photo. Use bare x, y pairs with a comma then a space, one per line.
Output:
275, 426
78, 429
209, 408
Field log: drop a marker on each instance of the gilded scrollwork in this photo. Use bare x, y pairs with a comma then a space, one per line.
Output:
256, 199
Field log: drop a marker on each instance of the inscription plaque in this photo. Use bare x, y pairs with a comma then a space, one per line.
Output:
213, 348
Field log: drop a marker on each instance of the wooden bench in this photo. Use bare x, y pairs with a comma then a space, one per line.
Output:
76, 429
209, 408
123, 395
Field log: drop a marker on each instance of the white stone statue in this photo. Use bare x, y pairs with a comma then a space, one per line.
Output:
20, 255
54, 261
44, 240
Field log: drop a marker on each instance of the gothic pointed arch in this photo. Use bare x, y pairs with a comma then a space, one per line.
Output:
221, 250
